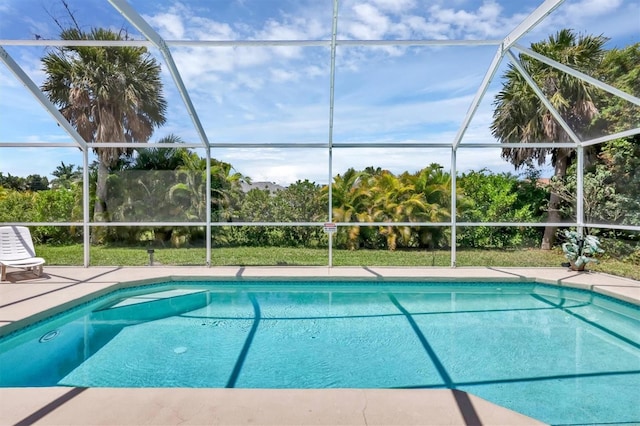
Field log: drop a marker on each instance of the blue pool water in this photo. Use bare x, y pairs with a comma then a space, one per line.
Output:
562, 356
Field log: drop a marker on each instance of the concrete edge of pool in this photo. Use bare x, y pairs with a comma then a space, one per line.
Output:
108, 406
25, 298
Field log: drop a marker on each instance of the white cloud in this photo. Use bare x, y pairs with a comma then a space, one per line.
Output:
291, 28
202, 65
276, 165
249, 81
298, 28
281, 75
282, 175
394, 6
589, 8
368, 23
169, 25
207, 29
180, 22
385, 19
490, 11
429, 29
315, 71
485, 22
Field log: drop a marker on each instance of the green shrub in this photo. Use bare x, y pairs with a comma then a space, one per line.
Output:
17, 206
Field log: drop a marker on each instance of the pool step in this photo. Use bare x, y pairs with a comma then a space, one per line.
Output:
153, 306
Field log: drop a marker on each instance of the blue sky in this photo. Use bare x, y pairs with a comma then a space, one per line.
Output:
281, 94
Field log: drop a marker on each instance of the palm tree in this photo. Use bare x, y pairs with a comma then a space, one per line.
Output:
350, 195
159, 158
226, 191
434, 186
109, 94
394, 201
520, 116
65, 175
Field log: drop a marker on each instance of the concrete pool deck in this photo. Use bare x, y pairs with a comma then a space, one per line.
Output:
25, 298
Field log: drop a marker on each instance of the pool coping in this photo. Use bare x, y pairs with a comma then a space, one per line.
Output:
26, 299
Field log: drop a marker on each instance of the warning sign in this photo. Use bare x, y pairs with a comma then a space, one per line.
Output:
330, 227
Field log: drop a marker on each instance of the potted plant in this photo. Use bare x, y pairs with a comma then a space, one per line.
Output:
580, 249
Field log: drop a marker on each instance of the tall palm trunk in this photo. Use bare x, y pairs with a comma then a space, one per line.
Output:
100, 213
553, 213
100, 208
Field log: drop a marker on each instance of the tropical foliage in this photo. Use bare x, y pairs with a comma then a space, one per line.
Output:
66, 175
581, 249
30, 183
500, 198
109, 94
376, 195
521, 116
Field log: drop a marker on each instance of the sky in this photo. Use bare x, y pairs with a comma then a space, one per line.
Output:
271, 95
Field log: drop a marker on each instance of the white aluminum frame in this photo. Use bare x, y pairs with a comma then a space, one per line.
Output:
152, 39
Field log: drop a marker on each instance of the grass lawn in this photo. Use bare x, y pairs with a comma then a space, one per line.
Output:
274, 256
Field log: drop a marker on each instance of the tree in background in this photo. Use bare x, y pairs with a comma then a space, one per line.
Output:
501, 197
520, 116
619, 68
15, 183
66, 175
170, 158
393, 200
301, 202
226, 191
621, 157
109, 94
30, 183
377, 195
611, 181
161, 184
37, 183
349, 198
434, 186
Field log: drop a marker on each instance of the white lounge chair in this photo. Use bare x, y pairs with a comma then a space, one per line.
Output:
16, 250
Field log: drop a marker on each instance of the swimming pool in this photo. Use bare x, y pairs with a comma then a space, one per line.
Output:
556, 354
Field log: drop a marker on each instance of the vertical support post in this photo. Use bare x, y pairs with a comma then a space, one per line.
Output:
580, 189
330, 234
332, 81
208, 208
454, 207
86, 228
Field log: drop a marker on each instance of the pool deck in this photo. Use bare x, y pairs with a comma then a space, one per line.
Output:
25, 298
